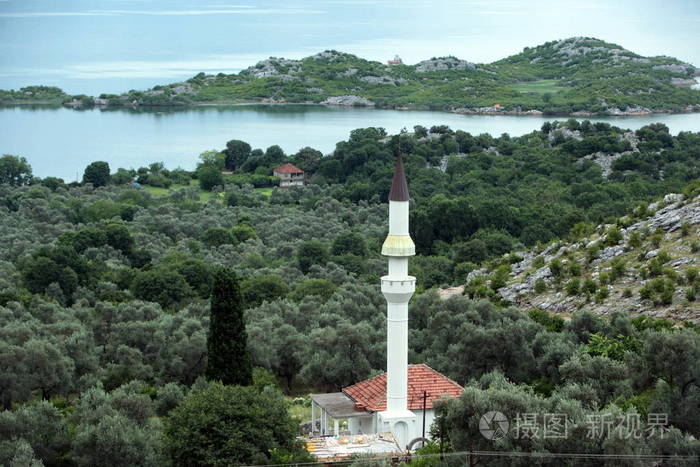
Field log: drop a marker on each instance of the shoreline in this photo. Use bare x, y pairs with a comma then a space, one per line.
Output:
488, 111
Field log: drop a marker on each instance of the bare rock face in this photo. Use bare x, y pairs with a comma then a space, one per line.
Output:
271, 67
604, 160
349, 101
184, 88
684, 68
577, 46
444, 63
382, 80
564, 133
450, 292
623, 294
683, 81
326, 54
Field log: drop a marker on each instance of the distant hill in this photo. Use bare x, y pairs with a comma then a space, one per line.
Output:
646, 264
573, 75
583, 76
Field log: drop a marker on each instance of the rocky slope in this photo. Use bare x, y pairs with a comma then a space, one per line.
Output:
646, 265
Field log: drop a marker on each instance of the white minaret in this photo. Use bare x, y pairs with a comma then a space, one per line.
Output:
398, 287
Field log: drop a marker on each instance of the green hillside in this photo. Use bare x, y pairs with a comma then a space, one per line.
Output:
576, 74
582, 75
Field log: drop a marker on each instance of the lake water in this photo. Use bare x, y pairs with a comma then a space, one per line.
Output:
61, 142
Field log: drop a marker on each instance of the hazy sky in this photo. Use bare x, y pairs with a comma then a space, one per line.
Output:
93, 46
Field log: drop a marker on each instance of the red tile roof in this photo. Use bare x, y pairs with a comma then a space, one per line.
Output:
288, 169
371, 393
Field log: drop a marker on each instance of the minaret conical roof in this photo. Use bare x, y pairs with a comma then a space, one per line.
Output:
399, 187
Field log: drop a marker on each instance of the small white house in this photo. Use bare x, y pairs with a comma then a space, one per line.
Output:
360, 405
289, 175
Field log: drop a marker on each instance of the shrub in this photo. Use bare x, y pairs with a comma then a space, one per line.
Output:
685, 229
589, 286
540, 286
209, 177
691, 293
161, 285
614, 236
602, 294
635, 240
551, 322
217, 236
574, 269
573, 286
556, 268
232, 425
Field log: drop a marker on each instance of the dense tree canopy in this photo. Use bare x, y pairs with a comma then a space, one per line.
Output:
97, 173
232, 425
228, 359
107, 295
14, 170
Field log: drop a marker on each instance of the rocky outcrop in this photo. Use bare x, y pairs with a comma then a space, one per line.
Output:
494, 110
349, 101
605, 160
385, 79
623, 293
272, 66
632, 110
671, 217
576, 46
444, 63
564, 133
684, 82
681, 68
183, 88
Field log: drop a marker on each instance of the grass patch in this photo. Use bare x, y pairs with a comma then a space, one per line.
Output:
301, 412
267, 192
540, 86
204, 196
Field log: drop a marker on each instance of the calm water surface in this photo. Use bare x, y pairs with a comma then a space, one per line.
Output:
61, 142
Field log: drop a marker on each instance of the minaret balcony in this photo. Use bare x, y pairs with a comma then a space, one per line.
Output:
398, 289
398, 245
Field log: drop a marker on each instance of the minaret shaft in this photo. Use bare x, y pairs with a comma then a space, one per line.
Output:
398, 287
397, 357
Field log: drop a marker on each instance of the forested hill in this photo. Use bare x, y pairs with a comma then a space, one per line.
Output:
578, 74
105, 290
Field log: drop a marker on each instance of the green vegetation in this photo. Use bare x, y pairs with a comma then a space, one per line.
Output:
33, 95
228, 360
560, 77
541, 86
108, 295
232, 425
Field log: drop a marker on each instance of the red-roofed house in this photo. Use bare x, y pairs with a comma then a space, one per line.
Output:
289, 175
361, 402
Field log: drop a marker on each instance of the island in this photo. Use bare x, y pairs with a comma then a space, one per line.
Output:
578, 76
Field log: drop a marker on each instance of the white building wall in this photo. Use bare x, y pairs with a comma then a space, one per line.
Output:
429, 419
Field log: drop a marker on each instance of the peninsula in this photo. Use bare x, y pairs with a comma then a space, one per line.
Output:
577, 76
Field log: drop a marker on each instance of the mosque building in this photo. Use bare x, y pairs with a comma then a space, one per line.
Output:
398, 403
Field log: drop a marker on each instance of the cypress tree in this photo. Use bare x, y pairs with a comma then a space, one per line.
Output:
228, 360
